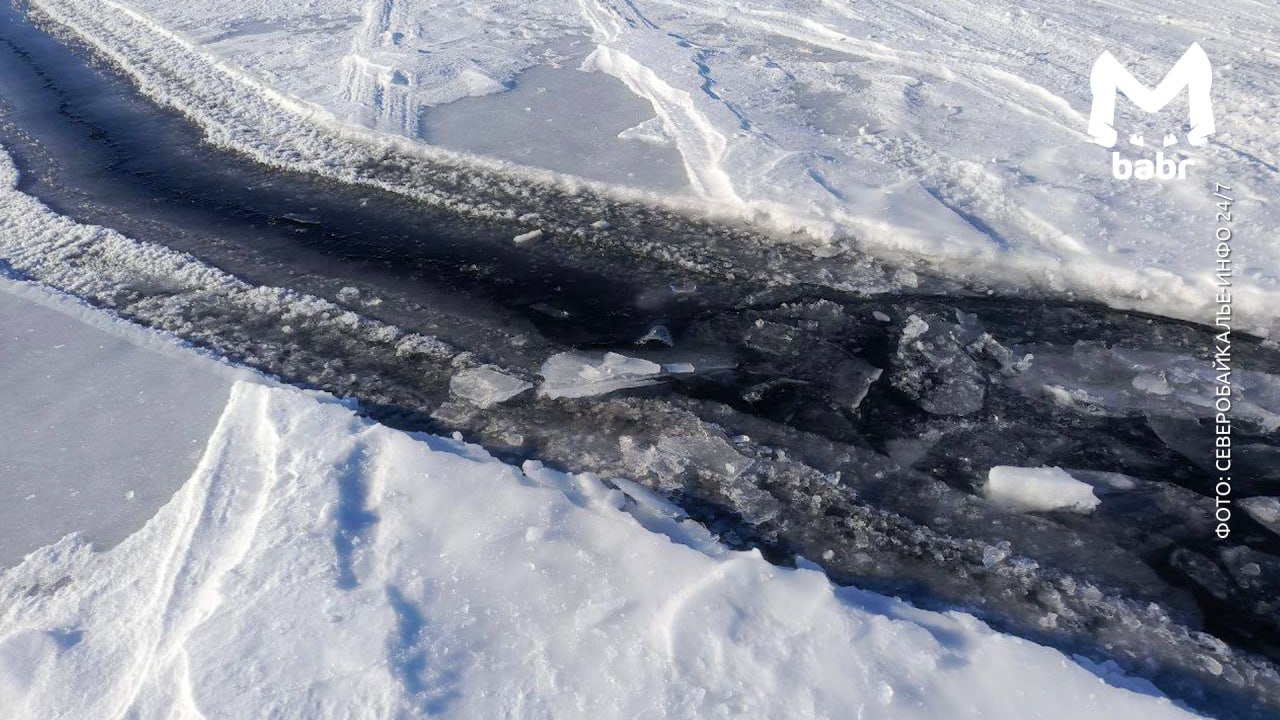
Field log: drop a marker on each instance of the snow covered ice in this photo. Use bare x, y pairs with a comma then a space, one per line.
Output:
78, 384
951, 135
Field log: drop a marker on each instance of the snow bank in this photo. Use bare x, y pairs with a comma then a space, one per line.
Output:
1039, 489
951, 136
319, 565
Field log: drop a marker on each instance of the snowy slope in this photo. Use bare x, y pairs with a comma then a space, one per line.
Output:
949, 134
318, 565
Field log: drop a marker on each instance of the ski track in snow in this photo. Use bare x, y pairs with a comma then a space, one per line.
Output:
945, 134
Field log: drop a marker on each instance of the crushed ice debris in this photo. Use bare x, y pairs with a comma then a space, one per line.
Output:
1039, 489
575, 374
914, 328
934, 369
993, 555
486, 386
1156, 383
657, 334
527, 237
707, 455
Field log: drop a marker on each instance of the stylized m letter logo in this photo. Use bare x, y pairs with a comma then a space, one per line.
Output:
1192, 72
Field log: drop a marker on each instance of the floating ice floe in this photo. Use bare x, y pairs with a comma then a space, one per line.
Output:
486, 386
1039, 489
575, 374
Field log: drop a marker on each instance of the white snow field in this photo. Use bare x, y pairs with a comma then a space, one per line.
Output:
949, 134
316, 564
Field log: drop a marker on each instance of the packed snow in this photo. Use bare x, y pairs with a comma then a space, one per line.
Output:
316, 564
949, 134
1039, 489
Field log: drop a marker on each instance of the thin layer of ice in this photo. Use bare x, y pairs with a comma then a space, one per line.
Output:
576, 374
1266, 510
486, 386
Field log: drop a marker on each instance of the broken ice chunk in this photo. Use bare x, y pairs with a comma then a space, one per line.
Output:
576, 374
1039, 489
657, 334
1155, 383
486, 386
527, 237
678, 368
932, 368
1266, 510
